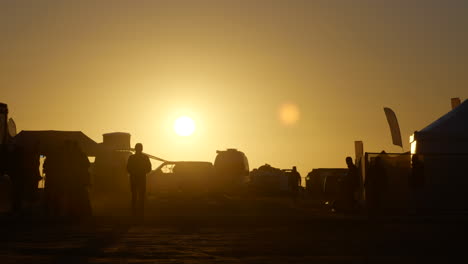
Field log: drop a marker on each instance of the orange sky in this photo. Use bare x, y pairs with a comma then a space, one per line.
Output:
135, 66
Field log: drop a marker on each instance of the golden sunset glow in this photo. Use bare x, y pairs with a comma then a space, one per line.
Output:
306, 78
184, 126
289, 113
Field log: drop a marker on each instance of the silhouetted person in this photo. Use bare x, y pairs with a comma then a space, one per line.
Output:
55, 194
31, 171
15, 169
138, 166
348, 185
294, 180
376, 185
417, 179
79, 204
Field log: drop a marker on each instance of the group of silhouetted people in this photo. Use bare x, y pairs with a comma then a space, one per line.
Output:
67, 181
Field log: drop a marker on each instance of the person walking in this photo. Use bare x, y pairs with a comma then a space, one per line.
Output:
138, 166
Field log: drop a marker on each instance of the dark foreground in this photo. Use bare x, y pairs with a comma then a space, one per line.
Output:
233, 231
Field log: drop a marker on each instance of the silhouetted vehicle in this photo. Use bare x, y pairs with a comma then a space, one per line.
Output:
232, 169
268, 180
322, 183
182, 177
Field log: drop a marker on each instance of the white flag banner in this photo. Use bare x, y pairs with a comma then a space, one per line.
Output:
394, 127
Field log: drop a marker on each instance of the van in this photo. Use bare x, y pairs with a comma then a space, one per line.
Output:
231, 168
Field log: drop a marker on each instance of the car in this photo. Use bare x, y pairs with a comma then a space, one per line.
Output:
188, 177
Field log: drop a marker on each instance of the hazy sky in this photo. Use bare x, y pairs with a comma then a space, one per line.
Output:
135, 66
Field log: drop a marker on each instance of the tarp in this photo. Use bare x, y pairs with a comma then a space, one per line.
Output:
50, 140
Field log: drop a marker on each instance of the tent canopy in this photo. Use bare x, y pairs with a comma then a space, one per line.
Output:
454, 122
50, 140
448, 134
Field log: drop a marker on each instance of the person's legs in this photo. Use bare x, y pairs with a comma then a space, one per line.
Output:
141, 197
17, 196
134, 196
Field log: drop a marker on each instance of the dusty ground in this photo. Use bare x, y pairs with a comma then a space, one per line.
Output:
233, 231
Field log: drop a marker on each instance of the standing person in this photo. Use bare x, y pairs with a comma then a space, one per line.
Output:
31, 170
417, 173
376, 185
79, 202
138, 166
15, 169
294, 183
54, 170
348, 185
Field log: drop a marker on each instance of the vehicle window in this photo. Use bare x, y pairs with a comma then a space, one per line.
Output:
168, 168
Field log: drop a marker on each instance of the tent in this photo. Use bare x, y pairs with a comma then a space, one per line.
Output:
448, 134
50, 140
442, 148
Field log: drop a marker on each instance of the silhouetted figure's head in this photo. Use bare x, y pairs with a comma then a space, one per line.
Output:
138, 148
349, 161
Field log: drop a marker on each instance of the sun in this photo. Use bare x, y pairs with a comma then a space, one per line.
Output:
184, 126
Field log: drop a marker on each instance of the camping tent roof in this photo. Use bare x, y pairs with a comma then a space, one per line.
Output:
454, 122
50, 140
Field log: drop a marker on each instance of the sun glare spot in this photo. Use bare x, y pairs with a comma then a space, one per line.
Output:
184, 126
289, 113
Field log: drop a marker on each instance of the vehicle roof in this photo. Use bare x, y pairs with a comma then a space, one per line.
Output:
188, 162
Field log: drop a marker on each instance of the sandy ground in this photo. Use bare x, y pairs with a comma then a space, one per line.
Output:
249, 230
